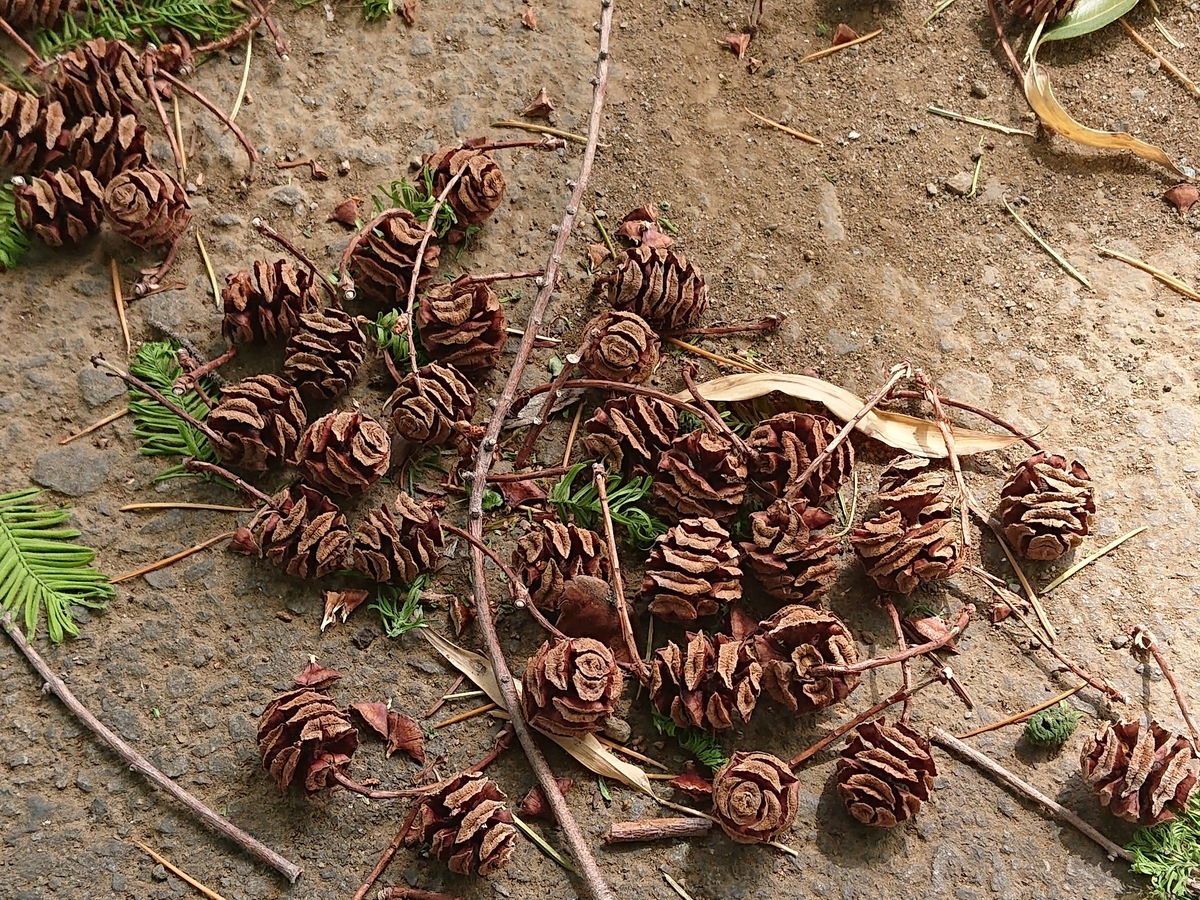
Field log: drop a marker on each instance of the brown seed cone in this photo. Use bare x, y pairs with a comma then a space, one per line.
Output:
382, 265
795, 640
1033, 10
692, 570
480, 189
98, 78
303, 738
433, 406
755, 797
548, 557
701, 475
63, 208
462, 324
1046, 506
660, 286
263, 303
1144, 774
33, 132
324, 353
885, 772
571, 687
630, 434
304, 533
107, 146
397, 544
24, 15
908, 484
620, 346
261, 419
147, 206
705, 684
793, 556
344, 452
786, 444
466, 824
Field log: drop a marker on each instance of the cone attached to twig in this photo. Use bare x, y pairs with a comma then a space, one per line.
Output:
303, 739
263, 304
755, 797
571, 687
397, 543
260, 420
97, 78
885, 773
785, 445
620, 346
1046, 506
692, 571
382, 265
433, 407
324, 353
33, 131
344, 452
793, 555
462, 324
661, 286
64, 208
304, 533
480, 189
702, 475
466, 823
548, 557
147, 206
630, 434
1142, 773
796, 640
707, 683
107, 145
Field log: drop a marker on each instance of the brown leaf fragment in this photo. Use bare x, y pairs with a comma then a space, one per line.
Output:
1183, 196
409, 11
655, 239
536, 805
930, 628
316, 676
843, 34
403, 733
346, 212
343, 602
539, 106
738, 43
517, 492
753, 64
529, 19
692, 785
597, 254
461, 615
375, 715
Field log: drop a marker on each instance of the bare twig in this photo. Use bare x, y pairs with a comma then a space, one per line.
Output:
600, 478
1017, 71
199, 465
265, 229
1175, 284
543, 144
656, 830
1030, 593
766, 323
1024, 714
251, 151
1144, 639
689, 374
905, 669
281, 47
385, 858
901, 655
1187, 83
469, 714
410, 893
415, 277
503, 741
541, 129
174, 558
965, 500
371, 794
491, 277
572, 360
178, 872
570, 445
807, 138
820, 54
95, 425
236, 36
35, 59
189, 380
441, 701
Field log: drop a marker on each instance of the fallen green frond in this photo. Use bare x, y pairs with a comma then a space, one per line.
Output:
136, 22
160, 430
399, 607
418, 199
41, 569
14, 240
1169, 853
699, 744
624, 503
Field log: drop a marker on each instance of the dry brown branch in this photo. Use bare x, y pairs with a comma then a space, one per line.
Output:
600, 478
656, 830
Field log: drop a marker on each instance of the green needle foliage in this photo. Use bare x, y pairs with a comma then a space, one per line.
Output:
399, 607
694, 741
135, 22
1052, 727
14, 240
624, 499
418, 199
41, 569
383, 332
377, 9
160, 430
1169, 853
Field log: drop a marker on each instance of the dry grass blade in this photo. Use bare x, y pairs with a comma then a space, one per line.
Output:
216, 507
971, 120
163, 563
540, 842
1108, 548
1171, 39
208, 267
1179, 287
1041, 242
744, 365
807, 138
918, 436
677, 887
178, 872
95, 425
241, 94
821, 54
119, 299
1166, 63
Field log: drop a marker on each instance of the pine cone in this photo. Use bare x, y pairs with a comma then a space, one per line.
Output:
462, 324
660, 286
107, 146
260, 420
1143, 774
701, 475
382, 265
98, 78
755, 797
303, 738
344, 452
692, 570
571, 687
304, 533
397, 547
620, 347
432, 407
630, 434
63, 208
547, 557
33, 133
323, 354
25, 15
263, 304
480, 189
885, 772
466, 824
786, 444
1033, 10
792, 555
147, 206
704, 685
795, 640
1046, 506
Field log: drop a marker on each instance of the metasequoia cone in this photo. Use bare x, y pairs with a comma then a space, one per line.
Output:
755, 797
462, 324
705, 684
344, 452
466, 824
107, 146
660, 286
1046, 506
263, 304
702, 475
432, 406
620, 346
147, 206
692, 571
480, 189
885, 773
259, 420
399, 543
303, 739
33, 131
63, 208
27, 14
629, 434
303, 532
323, 354
1142, 773
794, 555
796, 640
548, 557
382, 265
785, 445
571, 687
97, 78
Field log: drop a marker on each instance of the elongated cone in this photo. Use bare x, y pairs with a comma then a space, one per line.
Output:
466, 823
1046, 506
64, 208
397, 543
462, 324
793, 555
324, 353
631, 433
702, 475
263, 304
886, 772
480, 189
661, 286
1142, 773
344, 452
755, 797
260, 419
707, 683
571, 687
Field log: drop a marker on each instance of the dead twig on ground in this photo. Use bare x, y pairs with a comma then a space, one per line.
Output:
264, 229
900, 655
965, 500
1024, 714
1175, 284
656, 830
807, 138
1188, 84
119, 300
1017, 71
905, 668
1030, 593
975, 410
1144, 639
385, 858
836, 48
600, 478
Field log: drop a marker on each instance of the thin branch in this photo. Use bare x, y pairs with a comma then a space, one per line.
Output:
199, 465
371, 794
1024, 714
1188, 84
965, 500
119, 300
570, 445
513, 477
836, 48
656, 830
389, 851
1030, 593
410, 893
541, 144
251, 151
1017, 71
905, 669
265, 229
900, 655
281, 47
178, 872
542, 129
713, 425
689, 373
572, 360
766, 323
600, 478
1143, 639
188, 380
504, 276
35, 59
415, 277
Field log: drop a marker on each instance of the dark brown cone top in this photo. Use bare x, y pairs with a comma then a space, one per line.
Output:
702, 475
548, 557
462, 324
755, 797
692, 571
885, 773
466, 824
382, 265
431, 406
303, 738
660, 286
786, 444
793, 555
571, 687
620, 346
63, 209
707, 683
397, 544
263, 303
344, 452
1034, 10
106, 146
25, 15
480, 189
1142, 773
260, 419
97, 78
791, 643
324, 353
304, 533
33, 132
1046, 506
630, 434
147, 206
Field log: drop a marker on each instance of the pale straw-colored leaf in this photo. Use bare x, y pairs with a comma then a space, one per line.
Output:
1087, 16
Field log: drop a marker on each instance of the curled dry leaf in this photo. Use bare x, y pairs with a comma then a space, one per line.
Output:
930, 628
539, 106
344, 602
536, 805
316, 676
529, 19
400, 731
738, 43
375, 715
843, 34
692, 785
409, 11
1183, 197
346, 212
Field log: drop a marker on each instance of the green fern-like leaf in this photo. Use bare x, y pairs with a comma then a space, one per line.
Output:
41, 569
1169, 853
14, 240
135, 22
694, 741
160, 430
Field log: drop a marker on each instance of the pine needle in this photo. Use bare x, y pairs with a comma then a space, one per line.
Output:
624, 497
399, 607
699, 744
1108, 548
419, 199
1041, 242
199, 20
14, 240
541, 843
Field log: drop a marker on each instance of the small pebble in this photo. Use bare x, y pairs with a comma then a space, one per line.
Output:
979, 90
931, 189
1120, 641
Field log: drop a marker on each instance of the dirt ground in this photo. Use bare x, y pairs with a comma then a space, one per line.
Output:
859, 242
